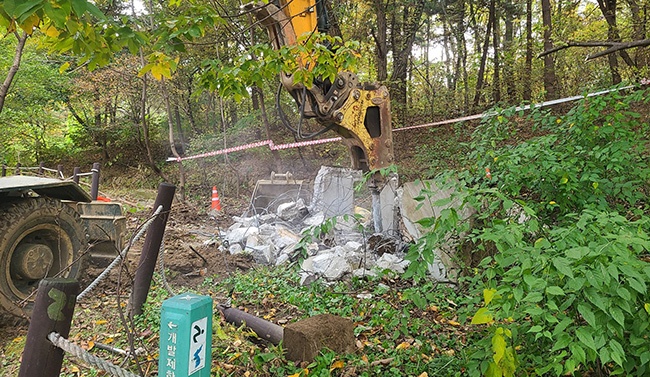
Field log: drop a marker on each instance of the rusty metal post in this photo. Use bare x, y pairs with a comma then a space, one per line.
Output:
75, 174
17, 169
94, 185
150, 249
4, 170
263, 328
41, 169
53, 311
59, 171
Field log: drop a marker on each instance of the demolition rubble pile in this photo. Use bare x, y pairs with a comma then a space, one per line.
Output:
275, 239
285, 233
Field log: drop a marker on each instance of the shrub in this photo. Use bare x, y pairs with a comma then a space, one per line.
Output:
562, 225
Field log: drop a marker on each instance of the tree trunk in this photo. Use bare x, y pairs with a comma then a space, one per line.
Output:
481, 70
172, 142
380, 36
403, 31
496, 78
509, 64
639, 33
4, 89
550, 80
528, 65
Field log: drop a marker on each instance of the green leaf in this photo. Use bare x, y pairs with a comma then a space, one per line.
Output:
92, 9
555, 291
587, 314
586, 338
562, 341
618, 315
482, 316
618, 354
23, 8
637, 285
595, 298
79, 7
533, 297
542, 243
624, 294
563, 266
488, 295
560, 327
442, 202
645, 357
578, 352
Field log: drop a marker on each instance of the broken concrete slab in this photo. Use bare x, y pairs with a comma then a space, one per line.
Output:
303, 340
239, 235
330, 265
392, 262
263, 254
412, 210
235, 249
334, 191
388, 210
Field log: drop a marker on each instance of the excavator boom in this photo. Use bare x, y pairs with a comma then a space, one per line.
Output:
360, 113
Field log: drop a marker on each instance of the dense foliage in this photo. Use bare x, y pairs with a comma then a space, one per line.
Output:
562, 225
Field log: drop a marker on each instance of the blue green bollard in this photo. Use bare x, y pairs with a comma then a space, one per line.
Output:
185, 336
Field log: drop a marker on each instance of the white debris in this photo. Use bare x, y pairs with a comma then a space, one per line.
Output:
330, 265
239, 235
292, 211
263, 254
345, 249
235, 249
282, 259
392, 262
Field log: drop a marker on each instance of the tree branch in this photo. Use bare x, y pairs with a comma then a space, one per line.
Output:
611, 47
4, 89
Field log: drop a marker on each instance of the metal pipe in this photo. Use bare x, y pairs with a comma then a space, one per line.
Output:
373, 186
53, 311
150, 249
94, 186
264, 329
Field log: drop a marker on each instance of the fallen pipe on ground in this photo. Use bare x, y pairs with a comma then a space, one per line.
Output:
264, 329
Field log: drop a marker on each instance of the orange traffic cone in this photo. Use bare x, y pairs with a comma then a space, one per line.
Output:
216, 203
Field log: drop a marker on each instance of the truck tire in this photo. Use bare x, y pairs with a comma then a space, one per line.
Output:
39, 238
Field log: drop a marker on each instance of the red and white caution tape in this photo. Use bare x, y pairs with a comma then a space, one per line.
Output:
257, 144
274, 147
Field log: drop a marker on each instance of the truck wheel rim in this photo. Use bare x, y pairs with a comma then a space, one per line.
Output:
46, 245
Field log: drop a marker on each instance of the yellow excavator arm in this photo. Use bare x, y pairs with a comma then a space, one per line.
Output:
360, 113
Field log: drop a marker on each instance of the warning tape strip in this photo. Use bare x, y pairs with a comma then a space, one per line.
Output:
274, 147
257, 144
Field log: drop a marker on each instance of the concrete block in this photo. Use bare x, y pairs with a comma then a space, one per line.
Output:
334, 191
303, 340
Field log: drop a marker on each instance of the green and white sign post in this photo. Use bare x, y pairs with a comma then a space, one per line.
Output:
185, 336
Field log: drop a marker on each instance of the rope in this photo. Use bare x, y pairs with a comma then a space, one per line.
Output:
161, 266
73, 349
117, 259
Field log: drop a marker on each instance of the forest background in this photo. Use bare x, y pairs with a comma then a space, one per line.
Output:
84, 90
